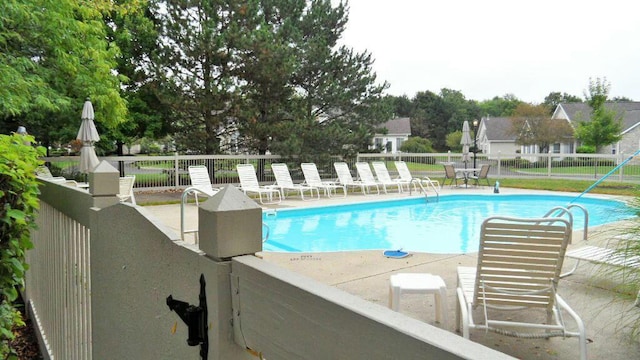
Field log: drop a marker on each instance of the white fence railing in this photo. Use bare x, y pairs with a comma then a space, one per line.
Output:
58, 281
170, 172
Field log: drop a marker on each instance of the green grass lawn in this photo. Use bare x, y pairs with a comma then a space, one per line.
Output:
605, 187
569, 170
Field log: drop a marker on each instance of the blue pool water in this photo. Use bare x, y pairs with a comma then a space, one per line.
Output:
451, 225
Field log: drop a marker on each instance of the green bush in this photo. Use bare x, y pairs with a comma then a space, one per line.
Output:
515, 163
585, 149
416, 145
19, 193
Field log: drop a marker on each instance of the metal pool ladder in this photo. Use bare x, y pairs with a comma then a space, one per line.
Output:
558, 211
415, 181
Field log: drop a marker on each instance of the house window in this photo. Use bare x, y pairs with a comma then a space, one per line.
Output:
399, 143
378, 142
556, 148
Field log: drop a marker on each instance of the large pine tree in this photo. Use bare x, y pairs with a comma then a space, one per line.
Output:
271, 68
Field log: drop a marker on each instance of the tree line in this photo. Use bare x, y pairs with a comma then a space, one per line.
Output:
210, 77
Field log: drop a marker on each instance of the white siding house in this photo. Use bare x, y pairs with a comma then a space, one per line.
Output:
398, 131
494, 136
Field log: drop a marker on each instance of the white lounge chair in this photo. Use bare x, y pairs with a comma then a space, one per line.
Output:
43, 172
607, 256
345, 178
366, 176
405, 174
382, 174
519, 264
312, 178
249, 184
600, 255
126, 189
199, 176
284, 182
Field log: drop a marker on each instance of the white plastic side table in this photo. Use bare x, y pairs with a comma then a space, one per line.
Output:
420, 284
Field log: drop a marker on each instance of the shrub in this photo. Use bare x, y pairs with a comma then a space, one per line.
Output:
585, 149
19, 193
515, 163
416, 145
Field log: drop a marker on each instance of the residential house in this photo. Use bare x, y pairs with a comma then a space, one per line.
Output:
398, 131
495, 136
629, 112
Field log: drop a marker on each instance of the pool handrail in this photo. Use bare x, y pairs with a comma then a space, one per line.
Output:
567, 210
183, 201
419, 182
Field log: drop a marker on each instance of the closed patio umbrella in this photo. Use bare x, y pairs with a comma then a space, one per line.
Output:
88, 135
465, 141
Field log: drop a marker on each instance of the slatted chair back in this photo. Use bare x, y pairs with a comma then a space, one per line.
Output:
343, 172
519, 261
125, 191
282, 175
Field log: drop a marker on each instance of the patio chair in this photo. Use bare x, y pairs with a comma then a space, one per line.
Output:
199, 176
482, 175
312, 178
405, 174
382, 174
519, 264
284, 182
249, 184
125, 191
345, 178
452, 175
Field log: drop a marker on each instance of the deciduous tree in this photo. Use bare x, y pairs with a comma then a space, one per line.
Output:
554, 99
532, 125
605, 125
500, 106
54, 55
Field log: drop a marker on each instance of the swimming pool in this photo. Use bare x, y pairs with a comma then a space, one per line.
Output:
451, 225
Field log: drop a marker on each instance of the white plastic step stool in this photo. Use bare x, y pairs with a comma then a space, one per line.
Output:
405, 283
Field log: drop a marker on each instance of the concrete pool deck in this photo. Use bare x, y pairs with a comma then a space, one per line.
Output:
590, 291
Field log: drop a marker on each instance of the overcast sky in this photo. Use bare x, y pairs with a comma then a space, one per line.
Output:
491, 48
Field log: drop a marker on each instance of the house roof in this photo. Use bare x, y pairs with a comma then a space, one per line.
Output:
498, 129
630, 112
398, 126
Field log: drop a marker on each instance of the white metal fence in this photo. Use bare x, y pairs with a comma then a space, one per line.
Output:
170, 172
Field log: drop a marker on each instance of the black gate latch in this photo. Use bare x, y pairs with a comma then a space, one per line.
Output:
195, 317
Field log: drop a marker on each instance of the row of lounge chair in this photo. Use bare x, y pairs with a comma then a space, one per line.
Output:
366, 181
313, 184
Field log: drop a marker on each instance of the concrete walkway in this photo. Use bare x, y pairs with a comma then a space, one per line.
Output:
590, 291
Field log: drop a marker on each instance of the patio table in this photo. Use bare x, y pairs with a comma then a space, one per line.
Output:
466, 172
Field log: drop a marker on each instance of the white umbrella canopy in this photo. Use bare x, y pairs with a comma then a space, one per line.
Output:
466, 142
88, 135
88, 130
